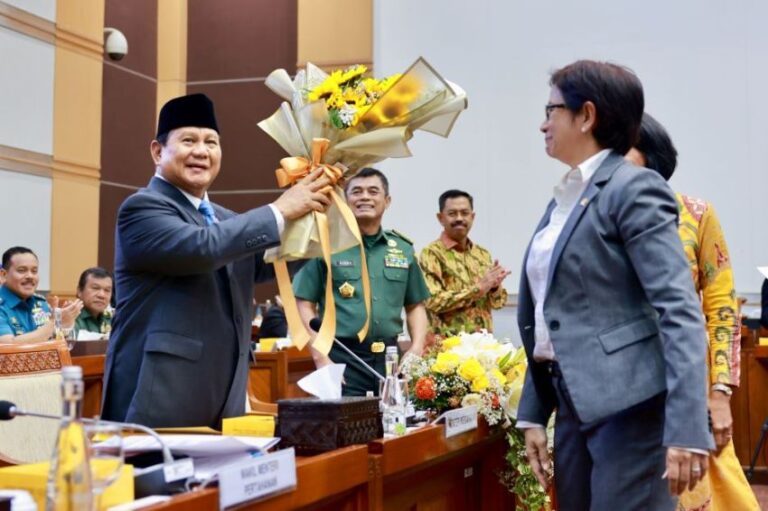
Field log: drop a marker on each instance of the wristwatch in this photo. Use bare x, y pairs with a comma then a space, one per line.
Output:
722, 387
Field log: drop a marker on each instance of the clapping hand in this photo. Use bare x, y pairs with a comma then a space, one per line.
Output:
492, 278
69, 311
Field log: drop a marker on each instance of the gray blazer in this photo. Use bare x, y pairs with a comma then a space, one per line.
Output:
623, 316
179, 350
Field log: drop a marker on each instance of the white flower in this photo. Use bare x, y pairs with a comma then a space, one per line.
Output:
347, 114
472, 400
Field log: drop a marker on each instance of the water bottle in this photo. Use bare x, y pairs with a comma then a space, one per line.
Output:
391, 360
69, 479
393, 397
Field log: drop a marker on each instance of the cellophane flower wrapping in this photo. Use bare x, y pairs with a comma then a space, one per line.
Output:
365, 119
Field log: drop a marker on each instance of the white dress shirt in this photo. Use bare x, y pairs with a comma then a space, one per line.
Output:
567, 193
196, 203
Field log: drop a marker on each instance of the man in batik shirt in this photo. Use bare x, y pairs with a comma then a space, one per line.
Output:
464, 281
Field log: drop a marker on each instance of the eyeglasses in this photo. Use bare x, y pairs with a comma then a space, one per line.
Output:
548, 108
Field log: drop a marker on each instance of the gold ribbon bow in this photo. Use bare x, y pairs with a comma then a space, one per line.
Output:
292, 170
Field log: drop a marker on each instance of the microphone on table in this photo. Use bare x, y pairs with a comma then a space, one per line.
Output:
9, 411
316, 323
148, 480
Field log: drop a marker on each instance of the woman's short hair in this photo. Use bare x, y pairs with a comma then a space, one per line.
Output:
656, 146
616, 93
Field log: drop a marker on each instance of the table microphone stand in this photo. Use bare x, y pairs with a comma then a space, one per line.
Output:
763, 431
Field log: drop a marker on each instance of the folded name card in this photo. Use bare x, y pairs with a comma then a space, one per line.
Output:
258, 477
459, 420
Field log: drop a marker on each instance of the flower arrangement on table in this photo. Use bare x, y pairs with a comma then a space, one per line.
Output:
476, 369
342, 122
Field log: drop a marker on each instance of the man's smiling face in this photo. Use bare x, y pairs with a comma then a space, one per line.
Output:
190, 158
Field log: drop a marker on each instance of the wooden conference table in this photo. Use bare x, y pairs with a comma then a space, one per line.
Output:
273, 376
421, 470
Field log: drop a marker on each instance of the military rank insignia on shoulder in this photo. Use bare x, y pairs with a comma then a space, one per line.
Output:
401, 236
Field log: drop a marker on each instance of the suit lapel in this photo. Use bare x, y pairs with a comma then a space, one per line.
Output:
171, 192
601, 175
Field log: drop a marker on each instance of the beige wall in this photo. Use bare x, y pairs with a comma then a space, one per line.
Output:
351, 42
171, 50
76, 141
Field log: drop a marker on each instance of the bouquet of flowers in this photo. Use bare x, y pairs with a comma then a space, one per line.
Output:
476, 369
466, 370
343, 121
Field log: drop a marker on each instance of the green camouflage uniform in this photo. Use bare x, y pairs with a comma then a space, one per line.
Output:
452, 276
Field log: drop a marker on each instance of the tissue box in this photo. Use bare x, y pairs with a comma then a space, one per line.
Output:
313, 425
33, 478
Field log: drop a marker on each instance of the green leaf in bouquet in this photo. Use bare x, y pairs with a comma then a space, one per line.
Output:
336, 119
504, 362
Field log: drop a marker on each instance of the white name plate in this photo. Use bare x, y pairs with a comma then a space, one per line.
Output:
258, 477
459, 420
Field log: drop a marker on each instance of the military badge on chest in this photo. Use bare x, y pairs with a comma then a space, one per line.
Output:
395, 258
39, 316
347, 290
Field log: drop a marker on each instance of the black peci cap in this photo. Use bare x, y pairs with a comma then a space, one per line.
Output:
192, 110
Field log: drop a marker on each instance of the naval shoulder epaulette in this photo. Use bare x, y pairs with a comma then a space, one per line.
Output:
401, 236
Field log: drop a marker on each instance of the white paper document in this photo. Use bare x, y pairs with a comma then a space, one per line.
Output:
324, 383
85, 335
199, 445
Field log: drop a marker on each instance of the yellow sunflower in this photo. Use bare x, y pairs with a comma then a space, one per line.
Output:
350, 73
323, 91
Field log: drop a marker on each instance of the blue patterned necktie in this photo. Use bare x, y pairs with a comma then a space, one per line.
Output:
207, 210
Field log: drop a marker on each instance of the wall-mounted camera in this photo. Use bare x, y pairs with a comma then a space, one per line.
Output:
115, 43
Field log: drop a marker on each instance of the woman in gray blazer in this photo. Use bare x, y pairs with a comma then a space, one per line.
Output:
607, 312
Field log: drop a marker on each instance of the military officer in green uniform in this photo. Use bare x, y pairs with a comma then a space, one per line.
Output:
25, 315
95, 290
396, 282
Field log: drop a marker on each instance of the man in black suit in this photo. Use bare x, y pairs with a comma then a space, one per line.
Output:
185, 268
